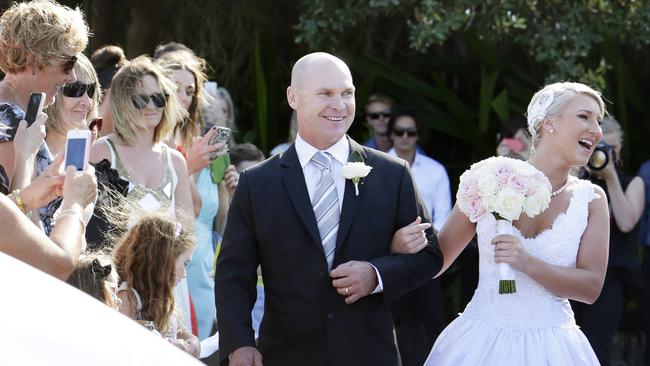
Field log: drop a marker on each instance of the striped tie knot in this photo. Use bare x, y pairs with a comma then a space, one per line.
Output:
323, 160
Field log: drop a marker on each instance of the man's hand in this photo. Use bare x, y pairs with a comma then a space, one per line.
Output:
411, 238
245, 356
354, 280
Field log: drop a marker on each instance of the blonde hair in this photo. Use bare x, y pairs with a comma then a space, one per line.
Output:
41, 31
561, 94
124, 88
86, 72
184, 60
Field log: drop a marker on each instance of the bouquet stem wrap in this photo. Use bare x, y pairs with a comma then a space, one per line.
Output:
507, 283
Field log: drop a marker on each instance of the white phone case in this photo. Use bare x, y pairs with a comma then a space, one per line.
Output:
77, 149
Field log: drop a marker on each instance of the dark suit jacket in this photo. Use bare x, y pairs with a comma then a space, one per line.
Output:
271, 222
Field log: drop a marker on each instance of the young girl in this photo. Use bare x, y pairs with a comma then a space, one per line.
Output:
150, 260
95, 275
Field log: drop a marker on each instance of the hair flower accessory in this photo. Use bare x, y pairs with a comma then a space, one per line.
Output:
355, 169
537, 111
179, 228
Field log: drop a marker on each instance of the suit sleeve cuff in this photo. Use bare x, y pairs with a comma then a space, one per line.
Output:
380, 284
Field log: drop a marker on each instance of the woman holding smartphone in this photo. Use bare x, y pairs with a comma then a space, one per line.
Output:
210, 199
73, 109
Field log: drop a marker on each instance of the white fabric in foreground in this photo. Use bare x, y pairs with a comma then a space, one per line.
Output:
44, 321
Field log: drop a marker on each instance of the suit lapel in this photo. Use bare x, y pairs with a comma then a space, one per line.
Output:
350, 200
294, 182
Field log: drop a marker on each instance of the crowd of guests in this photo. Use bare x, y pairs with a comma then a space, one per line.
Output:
141, 227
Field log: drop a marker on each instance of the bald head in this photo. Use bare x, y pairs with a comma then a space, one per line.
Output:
322, 94
312, 62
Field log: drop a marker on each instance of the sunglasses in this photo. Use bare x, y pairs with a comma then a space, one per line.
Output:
96, 125
377, 115
410, 132
140, 101
78, 89
70, 62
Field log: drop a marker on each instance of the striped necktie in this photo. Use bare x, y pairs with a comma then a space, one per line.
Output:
326, 206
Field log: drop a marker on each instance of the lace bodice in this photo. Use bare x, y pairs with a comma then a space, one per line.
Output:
532, 306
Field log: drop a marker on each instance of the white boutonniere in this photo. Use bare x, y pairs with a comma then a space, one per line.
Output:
355, 169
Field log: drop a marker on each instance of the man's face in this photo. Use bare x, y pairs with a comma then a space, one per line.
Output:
405, 134
377, 116
323, 99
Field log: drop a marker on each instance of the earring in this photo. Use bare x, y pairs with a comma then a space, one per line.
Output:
552, 131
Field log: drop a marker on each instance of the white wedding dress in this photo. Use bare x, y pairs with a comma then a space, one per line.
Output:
531, 327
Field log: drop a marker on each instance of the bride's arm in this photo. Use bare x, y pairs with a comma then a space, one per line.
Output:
454, 236
584, 282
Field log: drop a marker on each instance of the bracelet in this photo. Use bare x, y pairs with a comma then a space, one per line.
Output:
19, 201
71, 213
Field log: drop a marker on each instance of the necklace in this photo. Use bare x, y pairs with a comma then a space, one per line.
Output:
560, 190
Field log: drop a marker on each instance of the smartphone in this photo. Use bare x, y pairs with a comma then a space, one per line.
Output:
218, 168
34, 107
222, 134
77, 149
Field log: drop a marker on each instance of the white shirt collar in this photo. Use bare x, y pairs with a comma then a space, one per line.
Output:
416, 161
340, 150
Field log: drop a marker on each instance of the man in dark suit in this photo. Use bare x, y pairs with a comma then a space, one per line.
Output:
323, 245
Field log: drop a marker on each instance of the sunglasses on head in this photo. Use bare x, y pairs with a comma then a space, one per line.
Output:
78, 89
410, 132
377, 115
70, 62
140, 101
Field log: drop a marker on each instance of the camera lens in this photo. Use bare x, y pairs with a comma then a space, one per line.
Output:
599, 158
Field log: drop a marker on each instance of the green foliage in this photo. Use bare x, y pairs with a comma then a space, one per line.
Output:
559, 34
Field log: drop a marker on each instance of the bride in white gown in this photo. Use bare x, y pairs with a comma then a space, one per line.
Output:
561, 254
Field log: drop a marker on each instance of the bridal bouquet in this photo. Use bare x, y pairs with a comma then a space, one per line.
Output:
505, 188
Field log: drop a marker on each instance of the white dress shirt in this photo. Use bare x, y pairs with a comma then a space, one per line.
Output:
340, 152
432, 182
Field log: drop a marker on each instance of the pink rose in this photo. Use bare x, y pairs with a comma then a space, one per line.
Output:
468, 188
476, 210
503, 172
518, 184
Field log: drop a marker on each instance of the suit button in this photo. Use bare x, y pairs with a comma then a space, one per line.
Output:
331, 316
321, 275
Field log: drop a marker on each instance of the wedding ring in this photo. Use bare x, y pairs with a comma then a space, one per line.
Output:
347, 292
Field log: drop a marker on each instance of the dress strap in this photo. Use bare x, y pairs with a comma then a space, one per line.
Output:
114, 157
124, 286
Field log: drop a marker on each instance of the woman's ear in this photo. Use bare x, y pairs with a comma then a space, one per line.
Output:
548, 125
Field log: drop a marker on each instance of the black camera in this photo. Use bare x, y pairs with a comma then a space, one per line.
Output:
600, 157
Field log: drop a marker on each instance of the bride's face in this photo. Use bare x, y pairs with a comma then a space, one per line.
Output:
576, 131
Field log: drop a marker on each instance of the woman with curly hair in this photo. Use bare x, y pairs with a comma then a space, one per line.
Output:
151, 259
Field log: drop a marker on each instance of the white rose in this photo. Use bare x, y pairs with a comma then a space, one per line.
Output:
489, 202
509, 204
487, 185
537, 203
526, 169
482, 168
355, 171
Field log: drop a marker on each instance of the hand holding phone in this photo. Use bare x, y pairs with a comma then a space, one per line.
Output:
77, 149
222, 134
34, 107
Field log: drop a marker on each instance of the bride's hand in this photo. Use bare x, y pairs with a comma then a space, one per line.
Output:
410, 239
508, 249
